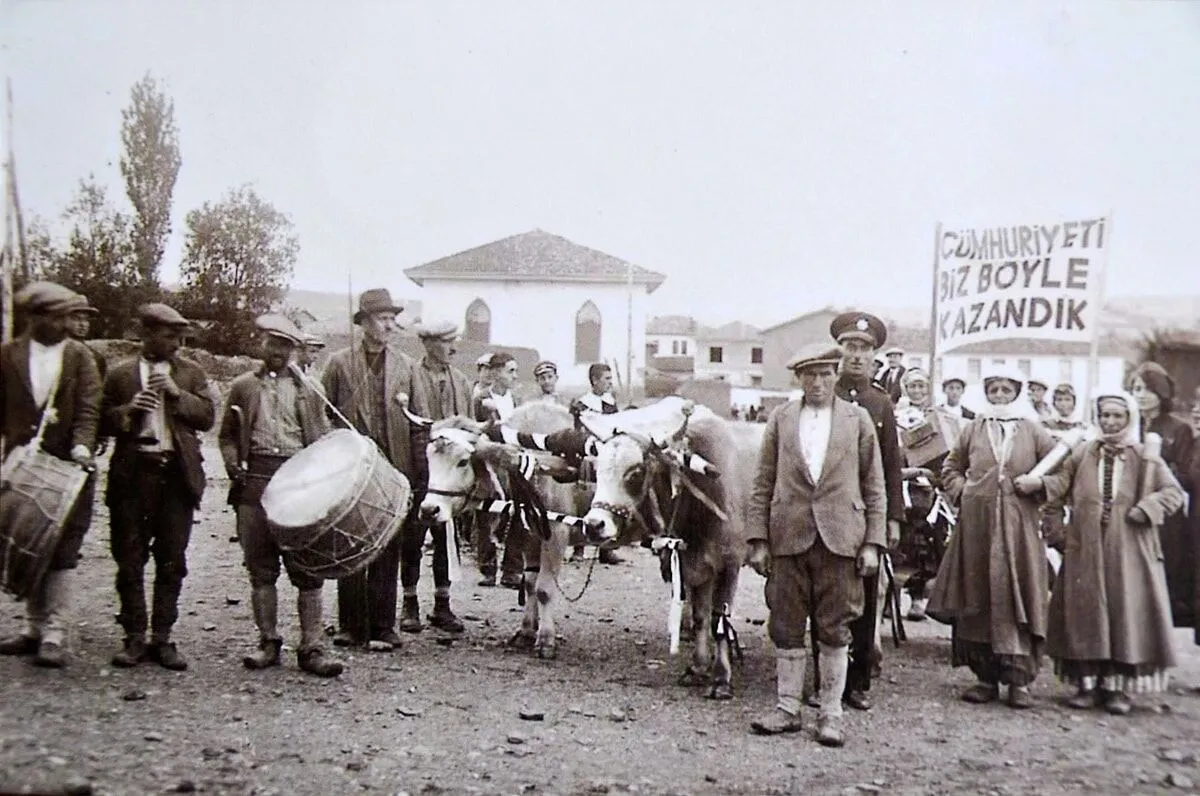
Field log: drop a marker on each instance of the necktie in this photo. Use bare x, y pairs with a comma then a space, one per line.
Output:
1106, 488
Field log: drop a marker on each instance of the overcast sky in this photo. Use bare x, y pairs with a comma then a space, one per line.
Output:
769, 157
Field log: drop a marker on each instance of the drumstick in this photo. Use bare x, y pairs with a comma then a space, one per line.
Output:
295, 370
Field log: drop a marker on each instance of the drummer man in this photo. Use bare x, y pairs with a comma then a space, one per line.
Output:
445, 393
155, 406
39, 366
271, 415
366, 382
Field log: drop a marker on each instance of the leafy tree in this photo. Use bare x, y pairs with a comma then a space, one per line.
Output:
150, 164
98, 260
238, 260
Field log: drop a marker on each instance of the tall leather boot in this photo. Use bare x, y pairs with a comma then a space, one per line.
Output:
442, 617
264, 601
834, 663
56, 590
311, 654
789, 682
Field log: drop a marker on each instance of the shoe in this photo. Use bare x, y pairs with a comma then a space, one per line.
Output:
829, 733
1019, 697
166, 655
512, 580
410, 616
1083, 700
443, 618
50, 656
314, 661
388, 638
133, 653
267, 656
19, 645
610, 557
981, 693
857, 700
1116, 703
777, 722
343, 638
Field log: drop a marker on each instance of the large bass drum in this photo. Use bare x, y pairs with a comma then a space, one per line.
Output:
37, 493
336, 504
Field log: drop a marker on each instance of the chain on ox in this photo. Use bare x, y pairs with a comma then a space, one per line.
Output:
637, 481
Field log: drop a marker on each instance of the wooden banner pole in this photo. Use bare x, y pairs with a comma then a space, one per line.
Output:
1099, 296
934, 376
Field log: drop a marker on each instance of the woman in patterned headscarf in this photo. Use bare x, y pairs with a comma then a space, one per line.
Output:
992, 584
1110, 617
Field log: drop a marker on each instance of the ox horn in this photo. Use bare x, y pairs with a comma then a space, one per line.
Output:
415, 419
686, 409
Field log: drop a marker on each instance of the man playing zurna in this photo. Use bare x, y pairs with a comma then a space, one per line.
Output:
366, 383
445, 393
155, 405
860, 335
47, 378
271, 415
815, 526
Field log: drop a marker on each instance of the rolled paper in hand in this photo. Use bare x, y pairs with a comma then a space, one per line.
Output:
1060, 451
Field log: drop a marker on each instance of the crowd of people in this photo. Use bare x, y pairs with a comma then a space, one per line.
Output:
864, 463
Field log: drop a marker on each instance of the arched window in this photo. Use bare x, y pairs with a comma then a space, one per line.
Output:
478, 326
587, 334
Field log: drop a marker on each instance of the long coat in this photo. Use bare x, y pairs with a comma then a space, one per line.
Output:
458, 397
76, 400
1110, 598
1182, 558
192, 412
992, 582
345, 380
845, 507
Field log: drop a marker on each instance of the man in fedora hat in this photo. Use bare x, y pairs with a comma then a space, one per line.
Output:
815, 526
271, 415
45, 377
155, 405
860, 335
445, 393
368, 383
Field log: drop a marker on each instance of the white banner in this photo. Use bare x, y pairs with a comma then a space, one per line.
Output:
1040, 281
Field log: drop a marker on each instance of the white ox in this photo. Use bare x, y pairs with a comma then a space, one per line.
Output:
635, 486
465, 466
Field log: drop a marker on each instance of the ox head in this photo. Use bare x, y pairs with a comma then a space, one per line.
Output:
636, 476
461, 463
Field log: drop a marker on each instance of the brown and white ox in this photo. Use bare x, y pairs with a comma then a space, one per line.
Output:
634, 485
465, 466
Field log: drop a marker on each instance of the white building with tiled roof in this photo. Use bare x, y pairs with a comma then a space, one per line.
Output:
732, 352
569, 302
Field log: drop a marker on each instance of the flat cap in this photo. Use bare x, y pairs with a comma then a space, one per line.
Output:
812, 355
79, 303
158, 314
485, 361
45, 297
281, 327
1038, 382
545, 366
954, 380
859, 326
438, 330
312, 341
894, 350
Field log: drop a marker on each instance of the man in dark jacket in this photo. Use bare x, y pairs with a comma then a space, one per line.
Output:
46, 378
155, 405
445, 392
272, 414
860, 335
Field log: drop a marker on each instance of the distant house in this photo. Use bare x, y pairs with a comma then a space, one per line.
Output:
671, 336
569, 302
732, 353
781, 341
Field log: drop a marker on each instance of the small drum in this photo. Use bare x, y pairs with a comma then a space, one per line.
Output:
38, 493
336, 504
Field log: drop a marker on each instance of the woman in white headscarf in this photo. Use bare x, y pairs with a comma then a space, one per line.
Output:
992, 584
1110, 616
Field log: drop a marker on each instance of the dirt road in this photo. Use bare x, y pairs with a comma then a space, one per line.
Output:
442, 716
